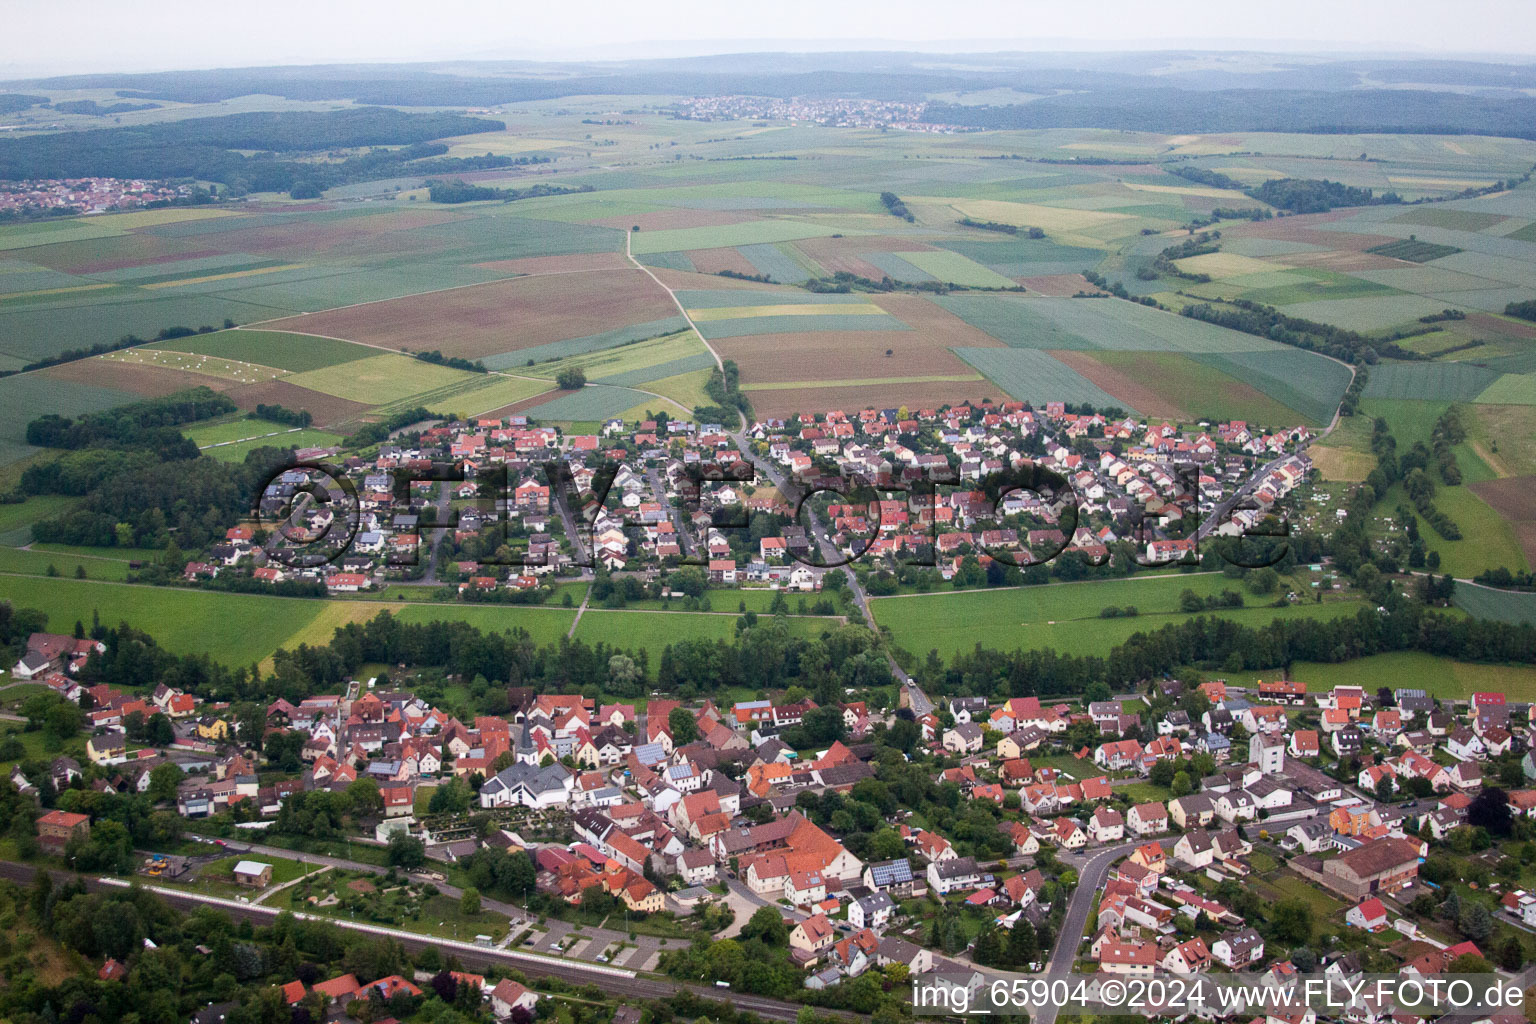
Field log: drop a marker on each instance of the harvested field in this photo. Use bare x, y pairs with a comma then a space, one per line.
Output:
1499, 325
1056, 284
1341, 463
592, 343
1124, 383
1224, 264
783, 403
709, 314
713, 261
326, 409
503, 316
567, 264
233, 371
496, 392
1514, 498
854, 245
840, 355
853, 265
850, 253
141, 379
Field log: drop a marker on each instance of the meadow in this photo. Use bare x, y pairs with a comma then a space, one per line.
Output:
1064, 616
1439, 677
285, 350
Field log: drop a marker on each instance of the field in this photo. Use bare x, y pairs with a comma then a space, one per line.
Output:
1063, 616
1513, 498
380, 379
1415, 251
1438, 676
241, 629
285, 350
502, 317
1034, 376
956, 269
1172, 385
236, 451
653, 631
1485, 603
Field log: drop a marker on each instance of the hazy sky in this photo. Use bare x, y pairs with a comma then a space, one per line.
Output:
51, 37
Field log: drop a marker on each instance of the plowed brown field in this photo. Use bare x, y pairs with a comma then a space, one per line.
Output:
502, 316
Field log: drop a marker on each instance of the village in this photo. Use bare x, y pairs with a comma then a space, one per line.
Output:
1213, 827
888, 489
54, 197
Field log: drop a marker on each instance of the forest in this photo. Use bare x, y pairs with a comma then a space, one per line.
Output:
1171, 110
206, 147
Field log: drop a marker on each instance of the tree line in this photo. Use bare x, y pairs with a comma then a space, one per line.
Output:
210, 148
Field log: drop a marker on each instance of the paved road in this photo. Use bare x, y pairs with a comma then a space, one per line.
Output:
1090, 881
640, 986
744, 892
555, 930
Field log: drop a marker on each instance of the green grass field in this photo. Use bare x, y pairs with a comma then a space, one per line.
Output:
1065, 616
1487, 539
625, 359
289, 439
1440, 677
1510, 389
380, 379
37, 563
26, 396
492, 391
237, 629
17, 515
283, 350
653, 631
